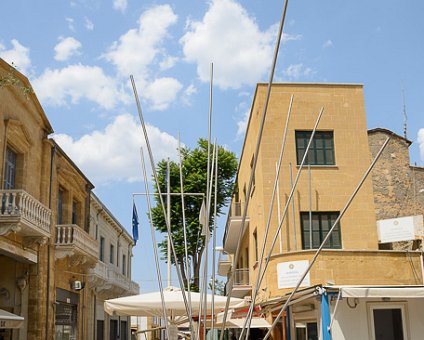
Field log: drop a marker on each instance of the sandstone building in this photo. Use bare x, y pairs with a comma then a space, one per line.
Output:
338, 158
54, 232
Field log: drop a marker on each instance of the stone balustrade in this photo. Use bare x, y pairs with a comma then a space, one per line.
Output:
27, 215
71, 237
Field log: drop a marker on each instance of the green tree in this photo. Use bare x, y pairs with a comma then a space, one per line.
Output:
194, 168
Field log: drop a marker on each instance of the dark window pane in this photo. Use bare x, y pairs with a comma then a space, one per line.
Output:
321, 225
321, 151
388, 324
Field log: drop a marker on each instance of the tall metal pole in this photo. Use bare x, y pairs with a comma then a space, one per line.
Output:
230, 281
153, 166
168, 215
293, 210
154, 244
336, 222
214, 238
310, 204
278, 206
188, 269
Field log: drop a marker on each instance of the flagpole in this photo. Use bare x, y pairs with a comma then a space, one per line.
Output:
168, 213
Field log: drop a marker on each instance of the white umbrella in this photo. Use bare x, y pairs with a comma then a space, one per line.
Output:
150, 304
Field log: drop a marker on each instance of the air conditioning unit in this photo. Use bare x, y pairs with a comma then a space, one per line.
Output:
76, 285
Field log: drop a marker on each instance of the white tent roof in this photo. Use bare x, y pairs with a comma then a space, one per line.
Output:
402, 292
150, 304
9, 320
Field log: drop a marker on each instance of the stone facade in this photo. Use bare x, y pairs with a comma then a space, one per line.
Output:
50, 222
398, 186
358, 259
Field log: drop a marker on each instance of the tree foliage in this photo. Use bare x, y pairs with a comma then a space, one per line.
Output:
194, 169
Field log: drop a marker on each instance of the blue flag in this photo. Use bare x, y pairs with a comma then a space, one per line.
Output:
135, 224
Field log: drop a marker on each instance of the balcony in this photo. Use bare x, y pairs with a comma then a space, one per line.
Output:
121, 283
74, 242
23, 214
232, 229
241, 286
224, 263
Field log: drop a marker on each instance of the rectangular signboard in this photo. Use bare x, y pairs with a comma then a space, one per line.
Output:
400, 229
289, 274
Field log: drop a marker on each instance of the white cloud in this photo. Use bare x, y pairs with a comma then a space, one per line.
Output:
137, 49
188, 92
66, 48
232, 40
113, 154
76, 82
161, 92
120, 5
88, 24
291, 37
297, 71
71, 25
420, 140
168, 63
327, 44
242, 124
18, 55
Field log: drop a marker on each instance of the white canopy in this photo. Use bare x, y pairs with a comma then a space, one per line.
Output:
401, 292
150, 304
9, 320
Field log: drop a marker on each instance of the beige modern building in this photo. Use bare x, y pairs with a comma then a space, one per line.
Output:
54, 275
338, 158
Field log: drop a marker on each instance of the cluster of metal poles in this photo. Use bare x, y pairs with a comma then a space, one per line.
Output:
212, 177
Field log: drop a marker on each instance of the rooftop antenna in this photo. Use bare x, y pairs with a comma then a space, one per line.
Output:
405, 116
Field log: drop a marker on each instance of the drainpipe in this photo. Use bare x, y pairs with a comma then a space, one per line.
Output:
53, 151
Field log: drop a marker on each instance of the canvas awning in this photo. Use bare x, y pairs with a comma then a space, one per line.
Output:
150, 304
401, 292
10, 320
239, 323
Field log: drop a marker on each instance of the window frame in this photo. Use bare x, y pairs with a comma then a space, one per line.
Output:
305, 136
305, 229
402, 305
111, 253
11, 169
102, 249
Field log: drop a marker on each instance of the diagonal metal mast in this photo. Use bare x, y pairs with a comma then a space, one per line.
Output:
324, 241
271, 206
153, 166
155, 249
255, 159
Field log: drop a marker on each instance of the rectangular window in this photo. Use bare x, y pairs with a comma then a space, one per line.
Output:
124, 265
102, 248
255, 239
321, 224
60, 206
74, 212
388, 322
10, 169
321, 151
111, 253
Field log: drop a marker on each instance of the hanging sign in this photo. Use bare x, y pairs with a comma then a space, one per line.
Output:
289, 274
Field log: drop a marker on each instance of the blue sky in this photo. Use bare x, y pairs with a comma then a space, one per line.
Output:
79, 54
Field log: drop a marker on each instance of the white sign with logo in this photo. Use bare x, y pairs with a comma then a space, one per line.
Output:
289, 274
400, 229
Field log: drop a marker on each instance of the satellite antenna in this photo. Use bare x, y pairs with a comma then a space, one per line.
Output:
405, 116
